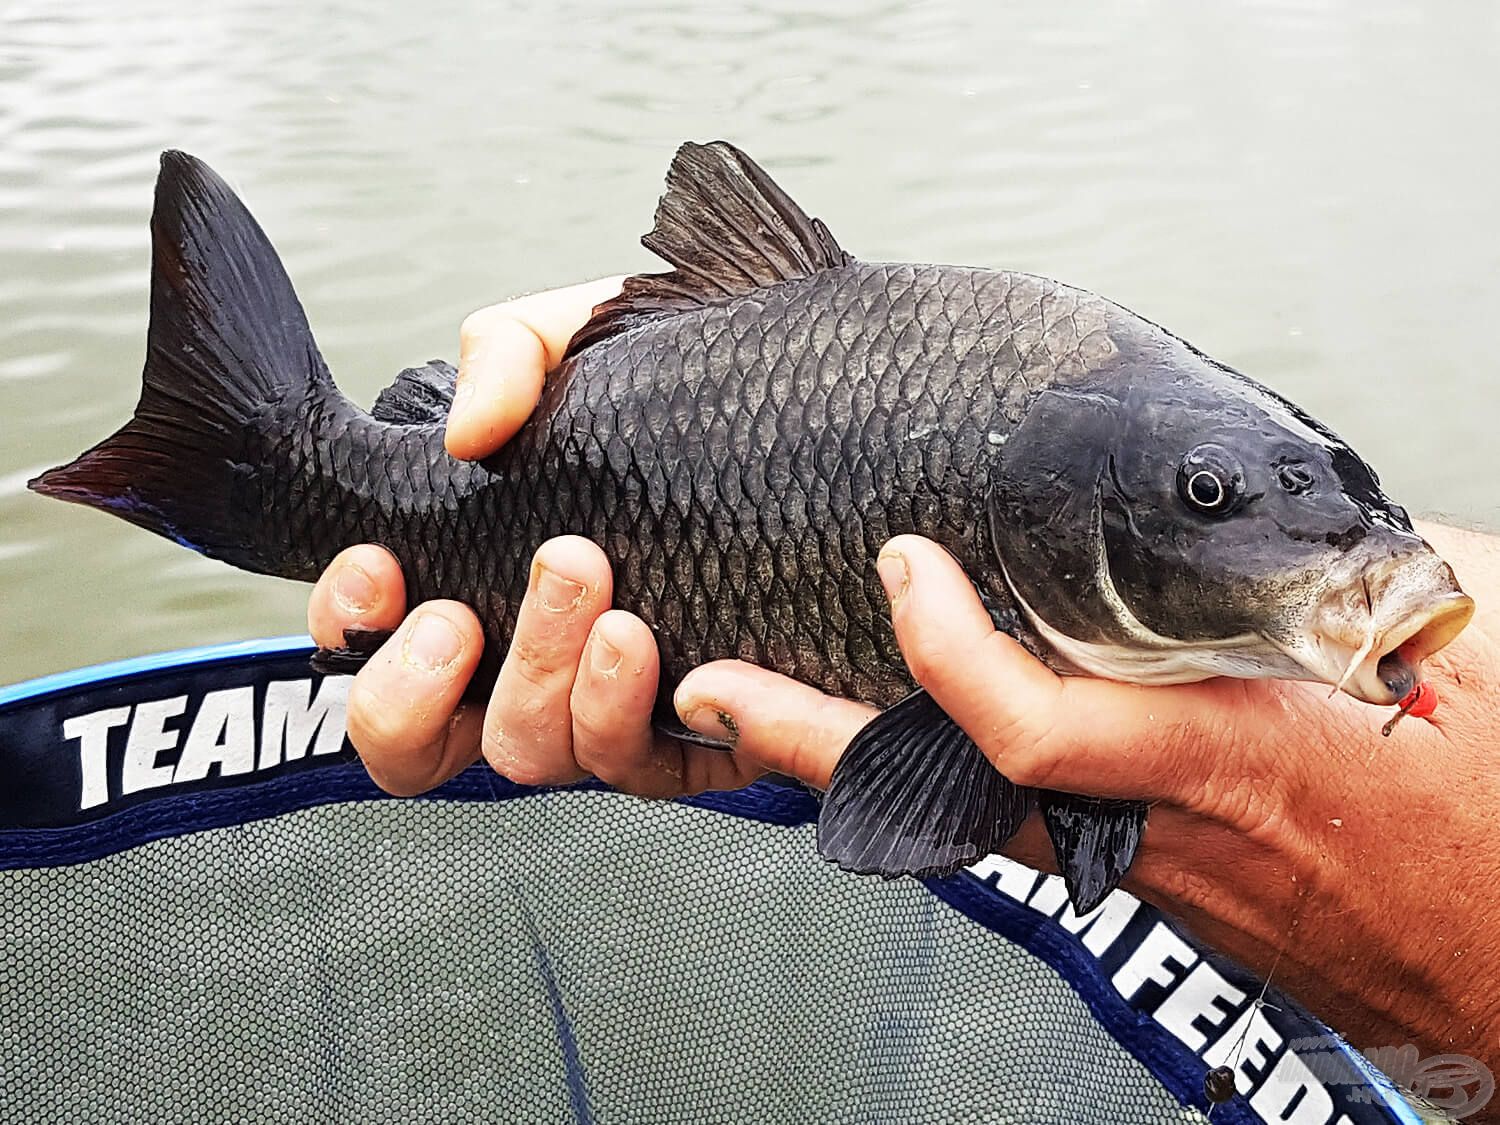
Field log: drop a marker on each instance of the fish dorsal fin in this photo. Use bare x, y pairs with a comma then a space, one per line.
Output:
727, 229
419, 395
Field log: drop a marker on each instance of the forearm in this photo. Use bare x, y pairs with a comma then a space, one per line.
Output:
1362, 870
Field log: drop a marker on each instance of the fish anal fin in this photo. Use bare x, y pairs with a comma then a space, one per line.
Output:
727, 229
913, 795
1095, 841
359, 645
419, 395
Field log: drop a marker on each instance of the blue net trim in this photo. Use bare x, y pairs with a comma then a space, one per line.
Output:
47, 773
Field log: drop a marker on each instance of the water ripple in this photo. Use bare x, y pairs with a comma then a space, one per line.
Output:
1236, 170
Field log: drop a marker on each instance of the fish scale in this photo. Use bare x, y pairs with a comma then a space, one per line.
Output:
660, 479
792, 522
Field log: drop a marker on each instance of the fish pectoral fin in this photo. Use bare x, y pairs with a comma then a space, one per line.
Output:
418, 396
913, 795
667, 723
1095, 841
728, 229
359, 645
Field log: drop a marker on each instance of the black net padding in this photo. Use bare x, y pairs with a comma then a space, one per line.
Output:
428, 961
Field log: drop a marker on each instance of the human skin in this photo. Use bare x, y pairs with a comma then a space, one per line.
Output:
1285, 830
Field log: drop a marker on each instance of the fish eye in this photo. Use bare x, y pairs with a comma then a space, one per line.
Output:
1205, 490
1210, 480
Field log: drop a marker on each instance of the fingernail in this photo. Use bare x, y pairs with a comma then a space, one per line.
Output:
554, 592
708, 720
354, 590
604, 658
891, 566
432, 643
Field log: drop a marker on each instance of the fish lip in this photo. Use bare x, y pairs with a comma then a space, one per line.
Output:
1434, 619
1425, 633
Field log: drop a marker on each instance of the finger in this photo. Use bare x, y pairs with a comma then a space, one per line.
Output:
611, 703
775, 723
613, 734
528, 729
788, 727
505, 352
1072, 733
403, 712
362, 588
612, 700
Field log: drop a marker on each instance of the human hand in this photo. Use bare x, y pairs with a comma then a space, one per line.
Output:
404, 714
1284, 830
574, 697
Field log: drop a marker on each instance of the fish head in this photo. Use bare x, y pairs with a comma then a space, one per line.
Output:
1171, 529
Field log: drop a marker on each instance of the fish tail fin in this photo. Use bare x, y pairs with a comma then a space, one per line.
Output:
228, 351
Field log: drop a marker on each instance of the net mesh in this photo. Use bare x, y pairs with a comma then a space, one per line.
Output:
570, 957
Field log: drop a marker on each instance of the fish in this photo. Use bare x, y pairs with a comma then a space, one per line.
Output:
743, 432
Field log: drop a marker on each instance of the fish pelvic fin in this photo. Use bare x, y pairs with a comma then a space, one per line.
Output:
668, 725
913, 795
227, 349
727, 229
360, 644
1095, 840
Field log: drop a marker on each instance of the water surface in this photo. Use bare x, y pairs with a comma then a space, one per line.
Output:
1306, 191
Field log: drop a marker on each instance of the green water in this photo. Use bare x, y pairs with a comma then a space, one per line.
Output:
1307, 191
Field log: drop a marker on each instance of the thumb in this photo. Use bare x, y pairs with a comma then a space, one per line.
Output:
505, 352
1072, 733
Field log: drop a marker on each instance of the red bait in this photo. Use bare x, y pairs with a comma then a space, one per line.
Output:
1420, 702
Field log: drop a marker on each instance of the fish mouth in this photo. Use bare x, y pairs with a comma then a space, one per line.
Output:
1369, 636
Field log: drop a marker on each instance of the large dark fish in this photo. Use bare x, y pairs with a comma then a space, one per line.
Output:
742, 435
